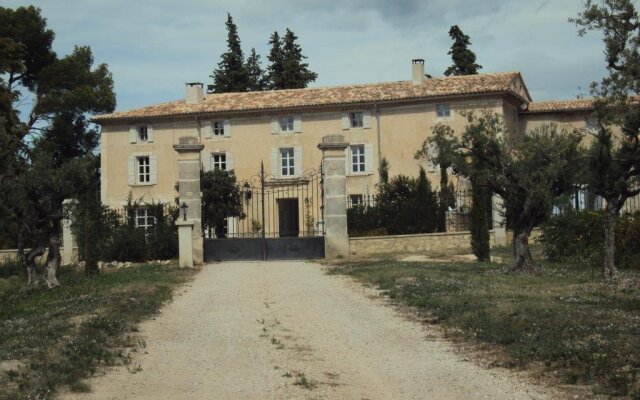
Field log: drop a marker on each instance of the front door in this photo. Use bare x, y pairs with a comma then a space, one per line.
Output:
288, 217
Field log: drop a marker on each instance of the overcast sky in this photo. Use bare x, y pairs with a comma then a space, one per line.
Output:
153, 47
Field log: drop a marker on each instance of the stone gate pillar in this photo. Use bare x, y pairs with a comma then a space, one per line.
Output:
336, 241
190, 231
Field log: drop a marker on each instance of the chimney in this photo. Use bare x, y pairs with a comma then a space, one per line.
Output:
194, 93
417, 71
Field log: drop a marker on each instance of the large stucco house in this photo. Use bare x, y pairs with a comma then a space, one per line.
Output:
283, 128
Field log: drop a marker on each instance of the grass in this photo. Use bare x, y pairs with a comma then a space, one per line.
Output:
53, 338
566, 319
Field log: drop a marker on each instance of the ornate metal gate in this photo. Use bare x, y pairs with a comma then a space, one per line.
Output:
284, 220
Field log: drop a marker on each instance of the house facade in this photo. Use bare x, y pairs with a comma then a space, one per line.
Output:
282, 129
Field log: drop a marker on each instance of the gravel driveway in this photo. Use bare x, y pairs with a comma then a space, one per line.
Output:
285, 330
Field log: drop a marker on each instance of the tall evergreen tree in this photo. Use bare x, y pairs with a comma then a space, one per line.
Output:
296, 72
256, 77
276, 59
464, 60
231, 74
426, 207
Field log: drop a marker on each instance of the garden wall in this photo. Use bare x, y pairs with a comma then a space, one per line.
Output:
428, 243
6, 255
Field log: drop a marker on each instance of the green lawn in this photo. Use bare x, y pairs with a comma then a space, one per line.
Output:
580, 329
53, 338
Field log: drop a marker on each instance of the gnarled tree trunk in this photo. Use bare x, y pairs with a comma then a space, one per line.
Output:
522, 253
609, 270
30, 263
53, 262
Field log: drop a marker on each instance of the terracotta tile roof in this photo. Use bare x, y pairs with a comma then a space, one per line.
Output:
498, 83
560, 105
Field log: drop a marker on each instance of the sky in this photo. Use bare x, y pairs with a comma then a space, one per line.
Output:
154, 47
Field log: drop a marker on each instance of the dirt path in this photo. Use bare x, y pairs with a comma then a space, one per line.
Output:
254, 330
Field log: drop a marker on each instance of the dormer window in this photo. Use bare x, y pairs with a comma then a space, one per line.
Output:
143, 133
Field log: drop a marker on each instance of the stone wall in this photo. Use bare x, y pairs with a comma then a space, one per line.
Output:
6, 255
428, 244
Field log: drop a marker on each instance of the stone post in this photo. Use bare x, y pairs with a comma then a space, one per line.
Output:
499, 229
189, 149
68, 238
336, 241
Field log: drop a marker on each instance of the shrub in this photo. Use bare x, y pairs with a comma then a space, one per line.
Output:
577, 236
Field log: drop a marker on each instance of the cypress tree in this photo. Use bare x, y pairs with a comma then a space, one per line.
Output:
464, 60
256, 77
276, 58
231, 74
290, 70
426, 210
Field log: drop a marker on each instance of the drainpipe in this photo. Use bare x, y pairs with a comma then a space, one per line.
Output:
377, 111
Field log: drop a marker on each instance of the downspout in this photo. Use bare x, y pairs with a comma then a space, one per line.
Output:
377, 111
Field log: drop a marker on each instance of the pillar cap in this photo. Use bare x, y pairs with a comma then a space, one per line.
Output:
333, 142
188, 143
185, 223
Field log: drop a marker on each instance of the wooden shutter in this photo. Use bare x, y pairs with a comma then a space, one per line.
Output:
208, 129
227, 128
275, 125
229, 157
133, 134
132, 170
150, 133
153, 169
368, 157
297, 161
297, 123
346, 122
207, 161
275, 165
366, 119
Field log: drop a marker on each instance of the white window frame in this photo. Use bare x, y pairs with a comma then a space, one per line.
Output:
143, 219
443, 111
143, 170
218, 128
356, 199
356, 119
286, 123
357, 159
142, 131
592, 125
219, 161
287, 163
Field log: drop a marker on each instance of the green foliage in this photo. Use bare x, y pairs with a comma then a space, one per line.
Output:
576, 236
383, 171
257, 79
231, 74
61, 337
288, 69
221, 197
404, 205
576, 327
479, 221
464, 60
162, 237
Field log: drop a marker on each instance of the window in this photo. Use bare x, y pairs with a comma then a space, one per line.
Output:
218, 128
219, 161
592, 125
287, 162
357, 158
143, 169
357, 120
286, 124
143, 133
443, 110
143, 219
356, 200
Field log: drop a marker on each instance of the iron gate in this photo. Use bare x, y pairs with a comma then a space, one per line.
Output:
284, 220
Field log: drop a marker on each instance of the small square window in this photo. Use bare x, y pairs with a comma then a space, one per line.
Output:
356, 199
443, 110
143, 133
356, 119
357, 158
144, 219
144, 169
287, 166
592, 125
286, 124
218, 128
219, 161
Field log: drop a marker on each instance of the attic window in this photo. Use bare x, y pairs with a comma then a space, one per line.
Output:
443, 110
143, 133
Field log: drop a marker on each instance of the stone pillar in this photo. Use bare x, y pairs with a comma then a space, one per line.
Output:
68, 238
336, 241
185, 243
189, 149
499, 223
